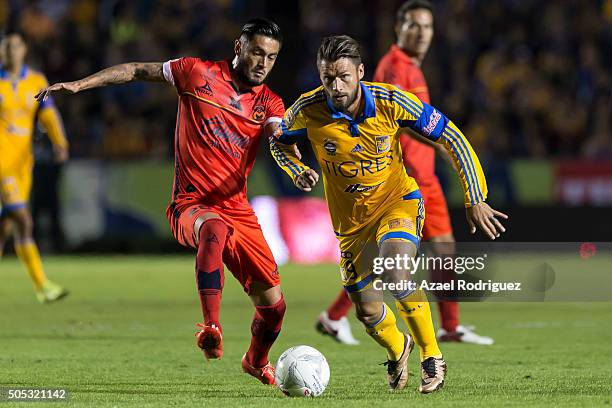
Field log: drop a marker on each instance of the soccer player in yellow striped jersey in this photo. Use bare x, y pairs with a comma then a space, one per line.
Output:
353, 128
19, 112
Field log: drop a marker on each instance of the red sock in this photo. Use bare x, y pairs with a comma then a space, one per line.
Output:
209, 268
265, 328
449, 315
340, 307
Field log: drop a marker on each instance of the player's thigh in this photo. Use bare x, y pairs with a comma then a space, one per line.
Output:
403, 220
438, 222
186, 223
15, 188
249, 258
357, 254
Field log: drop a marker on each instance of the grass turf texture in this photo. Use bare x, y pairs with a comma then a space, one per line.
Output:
124, 337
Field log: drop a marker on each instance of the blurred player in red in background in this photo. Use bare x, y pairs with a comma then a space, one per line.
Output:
401, 66
224, 109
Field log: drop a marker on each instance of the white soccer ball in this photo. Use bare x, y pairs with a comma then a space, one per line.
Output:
302, 371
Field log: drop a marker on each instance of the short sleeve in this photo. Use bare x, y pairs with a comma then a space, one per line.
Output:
177, 71
275, 110
294, 123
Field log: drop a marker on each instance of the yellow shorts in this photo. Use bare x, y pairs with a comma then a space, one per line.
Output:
402, 220
15, 186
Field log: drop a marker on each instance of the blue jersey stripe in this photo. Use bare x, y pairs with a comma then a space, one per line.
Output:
397, 94
471, 163
387, 98
301, 104
462, 162
282, 159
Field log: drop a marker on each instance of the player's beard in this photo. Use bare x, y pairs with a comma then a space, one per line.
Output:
242, 72
349, 101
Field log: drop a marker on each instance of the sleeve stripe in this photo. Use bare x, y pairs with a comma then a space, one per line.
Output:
301, 104
466, 165
398, 95
471, 162
167, 70
462, 164
283, 160
273, 119
405, 107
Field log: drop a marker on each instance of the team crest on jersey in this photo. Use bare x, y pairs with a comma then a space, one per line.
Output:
289, 119
383, 144
259, 112
330, 147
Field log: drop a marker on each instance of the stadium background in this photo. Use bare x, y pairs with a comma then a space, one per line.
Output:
528, 81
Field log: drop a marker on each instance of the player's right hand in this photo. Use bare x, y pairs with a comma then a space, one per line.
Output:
71, 87
307, 180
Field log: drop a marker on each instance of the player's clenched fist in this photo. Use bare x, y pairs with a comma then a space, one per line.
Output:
482, 216
307, 180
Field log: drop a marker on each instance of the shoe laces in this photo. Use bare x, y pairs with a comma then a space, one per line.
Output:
391, 366
430, 366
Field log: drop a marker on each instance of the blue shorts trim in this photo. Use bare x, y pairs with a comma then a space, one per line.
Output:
400, 235
356, 287
10, 208
413, 195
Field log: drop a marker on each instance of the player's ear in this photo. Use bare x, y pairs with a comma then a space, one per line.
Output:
361, 71
237, 47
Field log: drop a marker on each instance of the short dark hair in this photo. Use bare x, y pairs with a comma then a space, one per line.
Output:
339, 46
409, 6
261, 26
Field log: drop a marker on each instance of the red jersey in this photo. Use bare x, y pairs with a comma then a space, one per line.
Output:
397, 68
217, 132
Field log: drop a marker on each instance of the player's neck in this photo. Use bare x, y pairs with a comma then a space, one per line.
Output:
13, 69
239, 85
417, 59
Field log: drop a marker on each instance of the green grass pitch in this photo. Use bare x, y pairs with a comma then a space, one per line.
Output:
124, 337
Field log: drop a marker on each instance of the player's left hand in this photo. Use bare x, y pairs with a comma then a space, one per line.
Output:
481, 215
71, 87
60, 154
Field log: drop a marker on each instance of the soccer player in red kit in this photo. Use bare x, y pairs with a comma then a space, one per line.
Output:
224, 109
401, 66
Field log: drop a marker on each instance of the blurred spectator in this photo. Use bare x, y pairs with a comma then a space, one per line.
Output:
524, 78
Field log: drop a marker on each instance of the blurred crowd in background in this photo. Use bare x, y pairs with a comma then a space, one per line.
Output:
522, 78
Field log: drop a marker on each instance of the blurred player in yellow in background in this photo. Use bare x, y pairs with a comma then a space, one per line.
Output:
19, 113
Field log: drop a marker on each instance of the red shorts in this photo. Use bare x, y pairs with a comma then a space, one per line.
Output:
246, 253
437, 220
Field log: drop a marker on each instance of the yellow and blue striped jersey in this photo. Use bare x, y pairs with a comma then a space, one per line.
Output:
19, 112
361, 159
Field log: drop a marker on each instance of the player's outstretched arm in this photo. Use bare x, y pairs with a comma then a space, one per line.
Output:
117, 74
432, 124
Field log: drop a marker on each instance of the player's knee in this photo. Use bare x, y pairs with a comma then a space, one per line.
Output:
213, 232
368, 313
23, 224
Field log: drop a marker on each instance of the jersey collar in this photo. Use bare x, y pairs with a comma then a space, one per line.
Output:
369, 110
227, 76
22, 74
401, 54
